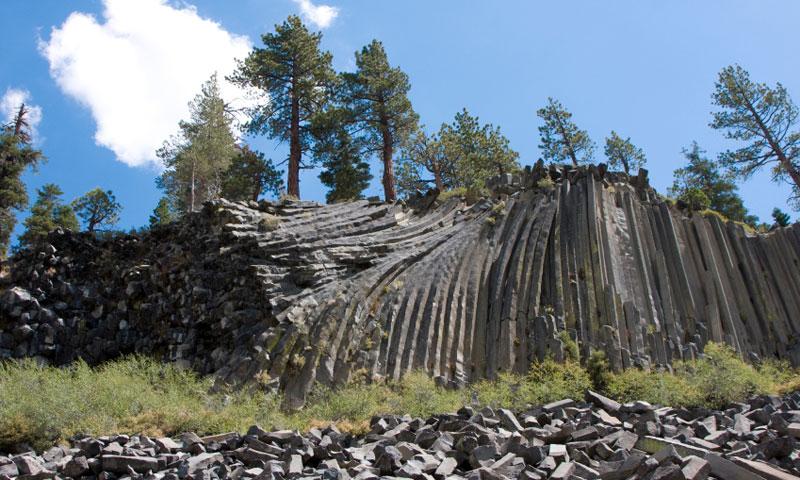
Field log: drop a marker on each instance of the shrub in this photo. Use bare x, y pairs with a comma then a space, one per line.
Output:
452, 193
599, 370
695, 199
661, 388
545, 183
722, 377
571, 350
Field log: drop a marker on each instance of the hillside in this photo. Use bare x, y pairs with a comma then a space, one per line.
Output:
295, 293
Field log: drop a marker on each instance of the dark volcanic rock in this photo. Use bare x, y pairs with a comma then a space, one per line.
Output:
482, 450
303, 293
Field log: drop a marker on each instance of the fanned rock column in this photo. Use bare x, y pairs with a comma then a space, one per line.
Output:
296, 293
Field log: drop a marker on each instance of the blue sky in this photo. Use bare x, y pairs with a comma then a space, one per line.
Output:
643, 68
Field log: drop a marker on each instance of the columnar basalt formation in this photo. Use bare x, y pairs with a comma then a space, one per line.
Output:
296, 293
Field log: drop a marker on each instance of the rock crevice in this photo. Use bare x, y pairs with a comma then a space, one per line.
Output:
296, 293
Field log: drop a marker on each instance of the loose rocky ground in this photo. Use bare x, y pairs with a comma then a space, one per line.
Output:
593, 439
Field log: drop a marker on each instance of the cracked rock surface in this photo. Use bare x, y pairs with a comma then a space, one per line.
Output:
297, 293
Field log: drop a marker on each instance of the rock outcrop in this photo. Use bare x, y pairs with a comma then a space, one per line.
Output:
568, 439
296, 293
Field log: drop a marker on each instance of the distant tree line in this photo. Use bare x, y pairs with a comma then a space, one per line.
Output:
339, 121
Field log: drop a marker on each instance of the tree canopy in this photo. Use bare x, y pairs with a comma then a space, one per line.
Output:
16, 154
345, 170
196, 159
702, 176
560, 138
424, 162
250, 175
298, 78
762, 117
377, 95
47, 214
98, 209
621, 153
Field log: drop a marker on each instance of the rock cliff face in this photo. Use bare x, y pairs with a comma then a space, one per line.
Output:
294, 293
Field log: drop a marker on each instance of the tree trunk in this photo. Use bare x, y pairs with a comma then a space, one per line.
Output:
388, 168
256, 187
568, 144
782, 159
437, 179
293, 180
191, 192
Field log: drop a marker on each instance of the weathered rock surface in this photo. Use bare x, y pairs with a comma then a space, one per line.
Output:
297, 292
467, 444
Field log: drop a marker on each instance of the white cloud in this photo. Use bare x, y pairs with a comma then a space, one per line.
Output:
320, 15
9, 107
137, 69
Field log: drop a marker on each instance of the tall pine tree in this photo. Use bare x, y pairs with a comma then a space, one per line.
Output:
560, 138
16, 154
766, 119
98, 209
250, 175
377, 94
702, 176
345, 172
47, 214
195, 161
298, 77
621, 153
423, 162
477, 151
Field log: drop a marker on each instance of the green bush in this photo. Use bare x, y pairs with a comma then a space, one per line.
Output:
45, 405
661, 388
599, 370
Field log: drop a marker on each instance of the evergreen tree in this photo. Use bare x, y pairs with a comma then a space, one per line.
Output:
47, 214
195, 160
702, 175
377, 94
162, 214
560, 138
98, 209
16, 154
476, 151
250, 175
424, 155
621, 153
780, 217
345, 172
298, 77
763, 117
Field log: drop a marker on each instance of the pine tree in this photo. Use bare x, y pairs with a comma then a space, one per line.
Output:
763, 117
298, 78
621, 153
476, 151
423, 162
702, 175
560, 138
780, 217
16, 154
47, 214
250, 175
162, 214
195, 160
377, 94
98, 209
345, 172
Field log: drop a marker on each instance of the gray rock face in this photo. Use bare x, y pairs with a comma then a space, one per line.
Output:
484, 448
303, 293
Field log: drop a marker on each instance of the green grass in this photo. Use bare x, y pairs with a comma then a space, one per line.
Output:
46, 405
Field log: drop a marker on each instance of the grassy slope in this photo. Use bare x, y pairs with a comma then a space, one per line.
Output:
44, 405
